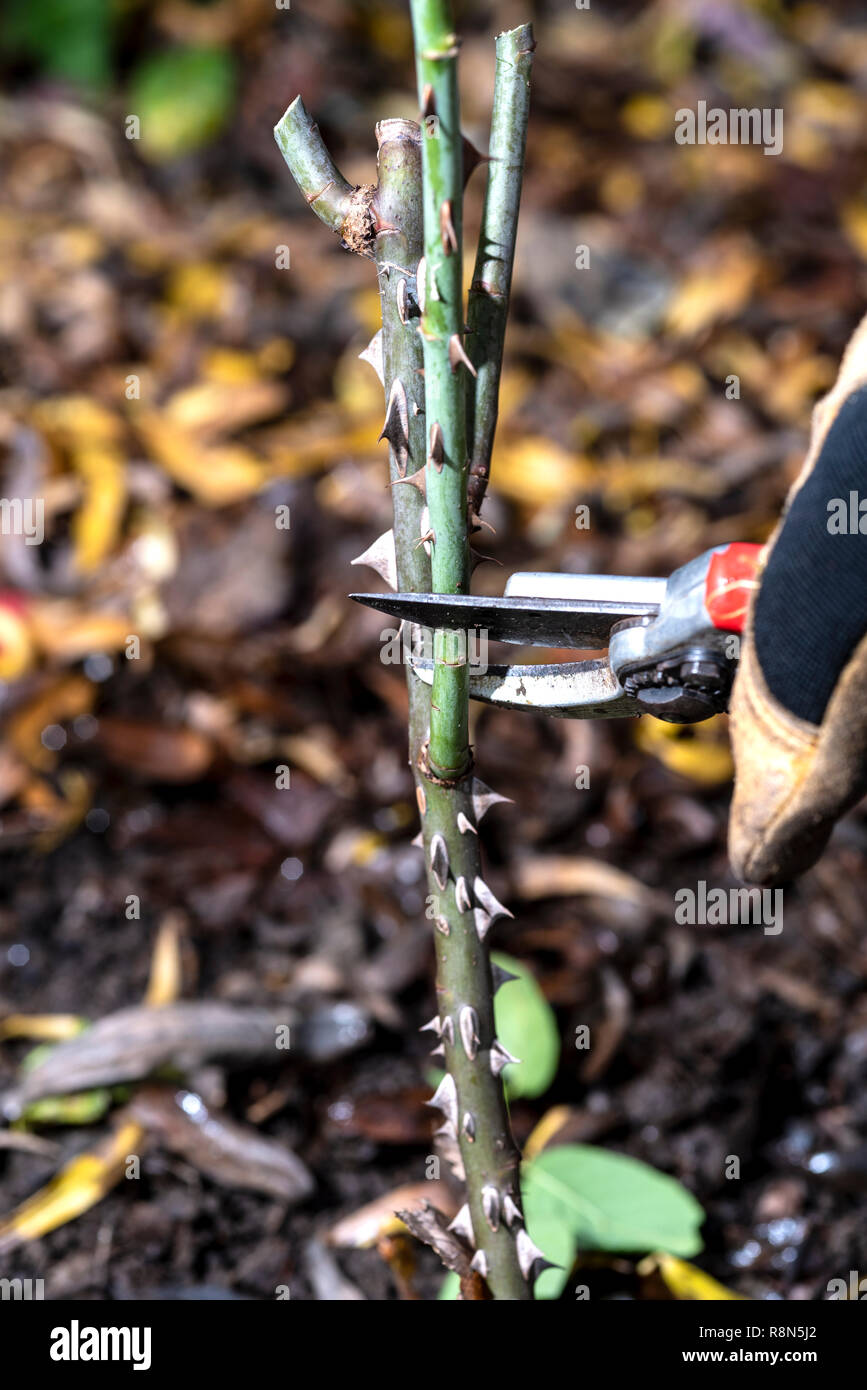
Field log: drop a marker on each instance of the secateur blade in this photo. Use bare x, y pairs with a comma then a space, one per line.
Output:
524, 619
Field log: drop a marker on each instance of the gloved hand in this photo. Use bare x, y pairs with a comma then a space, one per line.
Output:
798, 707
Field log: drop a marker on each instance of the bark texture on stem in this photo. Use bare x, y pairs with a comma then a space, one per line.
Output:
492, 276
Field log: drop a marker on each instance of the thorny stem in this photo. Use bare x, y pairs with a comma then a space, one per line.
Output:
492, 277
471, 1095
445, 374
386, 223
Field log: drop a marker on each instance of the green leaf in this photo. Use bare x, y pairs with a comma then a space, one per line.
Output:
68, 38
182, 98
577, 1197
527, 1028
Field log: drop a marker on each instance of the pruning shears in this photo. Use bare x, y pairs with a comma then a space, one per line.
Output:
672, 644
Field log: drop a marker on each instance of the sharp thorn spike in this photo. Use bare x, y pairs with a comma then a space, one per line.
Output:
479, 1263
466, 826
458, 356
449, 1029
483, 798
439, 1052
442, 926
381, 557
500, 1057
501, 976
373, 354
485, 898
463, 1226
446, 1131
469, 1128
445, 1098
418, 479
433, 1025
396, 427
463, 901
530, 1257
511, 1212
418, 841
482, 921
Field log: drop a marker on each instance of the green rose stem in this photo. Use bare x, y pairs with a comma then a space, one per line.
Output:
425, 424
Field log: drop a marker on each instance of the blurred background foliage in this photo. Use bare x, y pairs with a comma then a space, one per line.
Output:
167, 380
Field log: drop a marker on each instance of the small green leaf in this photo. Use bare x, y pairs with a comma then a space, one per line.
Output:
527, 1028
577, 1197
182, 98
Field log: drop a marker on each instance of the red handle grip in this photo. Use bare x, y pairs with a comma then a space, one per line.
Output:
731, 578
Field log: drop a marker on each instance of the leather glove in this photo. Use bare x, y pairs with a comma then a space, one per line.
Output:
798, 707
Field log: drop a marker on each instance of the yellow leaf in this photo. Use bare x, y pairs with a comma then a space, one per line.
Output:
216, 476
549, 1125
199, 290
537, 472
76, 421
719, 288
686, 1281
164, 985
16, 646
62, 700
697, 751
96, 524
78, 1186
44, 1027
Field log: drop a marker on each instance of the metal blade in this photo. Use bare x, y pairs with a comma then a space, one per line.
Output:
537, 622
572, 690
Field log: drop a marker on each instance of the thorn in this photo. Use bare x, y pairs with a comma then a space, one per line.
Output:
491, 1206
457, 354
449, 1029
485, 898
396, 427
469, 1127
472, 159
421, 799
442, 926
530, 1256
448, 235
476, 523
466, 826
433, 1025
468, 1026
373, 354
418, 842
436, 451
482, 921
420, 275
511, 1211
479, 1263
382, 558
501, 976
446, 1131
500, 1057
439, 1051
463, 901
476, 559
418, 479
445, 1099
428, 102
463, 1226
483, 798
402, 301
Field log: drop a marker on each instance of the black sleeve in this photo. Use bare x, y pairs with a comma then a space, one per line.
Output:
811, 609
